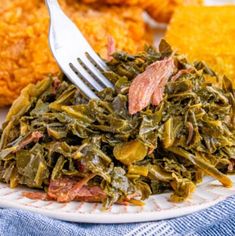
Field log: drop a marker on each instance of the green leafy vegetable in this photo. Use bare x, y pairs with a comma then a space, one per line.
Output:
96, 147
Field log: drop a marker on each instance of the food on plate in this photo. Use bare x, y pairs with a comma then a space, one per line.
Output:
158, 9
206, 33
162, 10
25, 55
111, 150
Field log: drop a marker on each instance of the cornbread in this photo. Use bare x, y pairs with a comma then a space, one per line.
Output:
206, 33
24, 54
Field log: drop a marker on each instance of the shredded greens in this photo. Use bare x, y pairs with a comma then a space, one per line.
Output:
52, 132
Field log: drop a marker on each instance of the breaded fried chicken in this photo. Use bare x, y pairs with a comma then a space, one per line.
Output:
25, 56
160, 10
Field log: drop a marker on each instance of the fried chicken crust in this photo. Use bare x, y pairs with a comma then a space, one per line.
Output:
24, 51
158, 9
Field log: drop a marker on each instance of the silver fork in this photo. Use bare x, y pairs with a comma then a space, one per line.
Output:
75, 56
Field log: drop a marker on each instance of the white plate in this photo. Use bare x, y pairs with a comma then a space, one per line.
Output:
156, 207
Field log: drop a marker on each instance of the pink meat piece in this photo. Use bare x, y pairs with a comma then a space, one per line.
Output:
149, 86
181, 72
36, 196
190, 133
68, 189
33, 137
158, 94
91, 194
55, 85
111, 48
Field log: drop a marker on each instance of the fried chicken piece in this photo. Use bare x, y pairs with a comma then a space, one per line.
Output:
118, 2
25, 55
163, 10
158, 9
206, 33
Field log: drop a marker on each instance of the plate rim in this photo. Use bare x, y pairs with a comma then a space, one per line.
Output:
121, 217
113, 218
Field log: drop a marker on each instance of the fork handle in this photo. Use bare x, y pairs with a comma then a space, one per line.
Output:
52, 3
61, 26
54, 8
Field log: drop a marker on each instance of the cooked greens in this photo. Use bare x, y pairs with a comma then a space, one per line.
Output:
54, 133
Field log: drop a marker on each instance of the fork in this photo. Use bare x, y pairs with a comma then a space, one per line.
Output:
74, 55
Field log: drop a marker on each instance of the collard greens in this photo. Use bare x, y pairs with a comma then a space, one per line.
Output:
52, 132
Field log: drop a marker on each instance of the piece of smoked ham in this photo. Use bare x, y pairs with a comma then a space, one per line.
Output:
68, 189
148, 87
